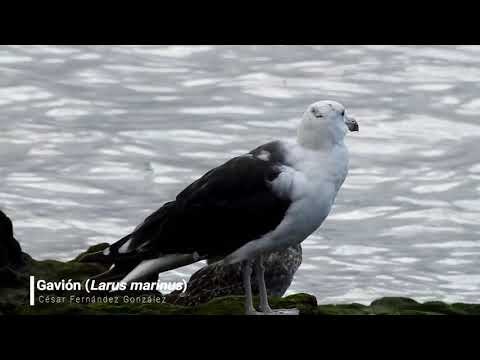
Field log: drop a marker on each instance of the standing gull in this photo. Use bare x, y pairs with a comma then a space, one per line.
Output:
271, 198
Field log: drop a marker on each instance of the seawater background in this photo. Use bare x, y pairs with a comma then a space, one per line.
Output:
94, 138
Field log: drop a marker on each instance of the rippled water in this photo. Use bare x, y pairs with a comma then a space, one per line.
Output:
94, 138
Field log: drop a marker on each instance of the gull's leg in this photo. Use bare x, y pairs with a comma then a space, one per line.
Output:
262, 289
247, 273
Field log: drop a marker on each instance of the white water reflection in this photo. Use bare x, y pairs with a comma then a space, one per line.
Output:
94, 138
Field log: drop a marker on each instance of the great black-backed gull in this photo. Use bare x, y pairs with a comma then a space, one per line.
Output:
273, 197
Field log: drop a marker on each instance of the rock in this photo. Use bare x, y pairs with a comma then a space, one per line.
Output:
16, 303
235, 305
12, 259
93, 249
10, 250
9, 277
217, 280
15, 300
53, 270
231, 305
407, 306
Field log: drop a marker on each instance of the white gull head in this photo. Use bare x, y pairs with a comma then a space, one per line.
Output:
324, 124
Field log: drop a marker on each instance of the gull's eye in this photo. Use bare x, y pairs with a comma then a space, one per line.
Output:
316, 113
343, 113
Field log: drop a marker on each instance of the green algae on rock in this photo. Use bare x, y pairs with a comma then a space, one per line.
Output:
15, 300
91, 250
400, 306
230, 305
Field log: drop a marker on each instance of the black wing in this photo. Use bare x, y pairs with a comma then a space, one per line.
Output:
226, 208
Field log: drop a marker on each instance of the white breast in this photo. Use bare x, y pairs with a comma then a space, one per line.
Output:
312, 183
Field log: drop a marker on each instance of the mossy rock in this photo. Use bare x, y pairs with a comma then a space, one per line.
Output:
234, 305
344, 309
52, 270
406, 306
230, 305
439, 307
466, 309
17, 303
15, 300
394, 305
92, 249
